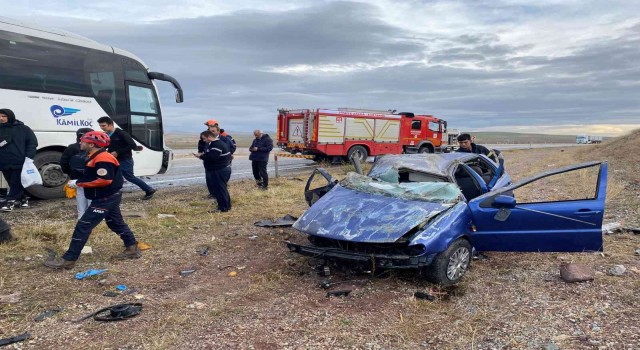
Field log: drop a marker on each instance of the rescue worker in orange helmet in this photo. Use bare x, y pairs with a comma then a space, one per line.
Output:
102, 183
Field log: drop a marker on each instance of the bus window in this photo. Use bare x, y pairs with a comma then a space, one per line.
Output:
145, 119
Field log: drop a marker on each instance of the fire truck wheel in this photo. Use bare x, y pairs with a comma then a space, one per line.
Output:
359, 152
425, 149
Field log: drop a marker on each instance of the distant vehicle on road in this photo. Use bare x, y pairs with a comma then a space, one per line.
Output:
348, 132
588, 139
57, 82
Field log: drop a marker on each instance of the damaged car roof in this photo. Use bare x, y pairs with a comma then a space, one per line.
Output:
437, 164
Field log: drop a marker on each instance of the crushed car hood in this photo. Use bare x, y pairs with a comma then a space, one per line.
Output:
350, 215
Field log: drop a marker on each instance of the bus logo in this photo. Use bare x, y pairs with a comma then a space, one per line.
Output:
59, 111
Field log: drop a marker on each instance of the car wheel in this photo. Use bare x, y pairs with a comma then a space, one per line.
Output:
450, 265
425, 149
359, 152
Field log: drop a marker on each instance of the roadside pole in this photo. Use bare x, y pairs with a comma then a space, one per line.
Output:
275, 163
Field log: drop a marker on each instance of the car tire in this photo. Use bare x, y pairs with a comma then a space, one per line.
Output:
48, 163
449, 266
359, 151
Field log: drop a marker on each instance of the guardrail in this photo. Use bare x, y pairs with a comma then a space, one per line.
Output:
288, 155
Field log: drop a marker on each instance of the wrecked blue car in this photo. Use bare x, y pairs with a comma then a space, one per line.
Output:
428, 211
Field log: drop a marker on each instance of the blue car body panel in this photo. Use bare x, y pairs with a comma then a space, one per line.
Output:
559, 226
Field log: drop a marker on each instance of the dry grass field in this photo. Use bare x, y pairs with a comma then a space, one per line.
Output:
249, 292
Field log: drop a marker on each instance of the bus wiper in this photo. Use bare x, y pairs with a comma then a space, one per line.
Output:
172, 80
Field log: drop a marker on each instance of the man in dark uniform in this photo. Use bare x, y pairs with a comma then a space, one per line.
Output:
102, 182
467, 146
121, 146
217, 164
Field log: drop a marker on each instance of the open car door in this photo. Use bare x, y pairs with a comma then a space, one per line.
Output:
539, 214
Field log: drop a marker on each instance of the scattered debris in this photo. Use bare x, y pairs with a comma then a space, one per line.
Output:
134, 214
326, 284
233, 274
284, 221
203, 251
47, 313
423, 296
338, 293
637, 252
86, 250
185, 273
610, 227
324, 270
114, 313
138, 296
110, 294
10, 298
121, 287
17, 338
88, 273
196, 305
617, 270
253, 238
571, 272
165, 216
144, 246
616, 227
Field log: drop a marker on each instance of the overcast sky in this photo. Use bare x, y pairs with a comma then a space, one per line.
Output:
556, 66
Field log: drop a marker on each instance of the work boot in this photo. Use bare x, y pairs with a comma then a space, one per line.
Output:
149, 195
23, 203
7, 206
59, 263
131, 252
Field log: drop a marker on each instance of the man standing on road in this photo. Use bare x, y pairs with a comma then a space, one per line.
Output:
259, 157
17, 142
467, 146
217, 165
102, 182
121, 146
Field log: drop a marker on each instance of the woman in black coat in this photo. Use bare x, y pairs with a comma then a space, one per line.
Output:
17, 142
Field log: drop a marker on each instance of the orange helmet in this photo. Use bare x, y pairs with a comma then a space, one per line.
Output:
211, 122
98, 138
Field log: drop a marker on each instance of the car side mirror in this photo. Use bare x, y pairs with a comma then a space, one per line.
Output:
503, 201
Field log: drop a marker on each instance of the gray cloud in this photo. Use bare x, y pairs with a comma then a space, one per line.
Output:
226, 63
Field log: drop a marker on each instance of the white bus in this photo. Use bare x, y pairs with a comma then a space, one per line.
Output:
57, 82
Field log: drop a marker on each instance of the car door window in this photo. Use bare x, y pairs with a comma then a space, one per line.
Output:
573, 185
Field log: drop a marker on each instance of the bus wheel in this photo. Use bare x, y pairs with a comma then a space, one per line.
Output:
359, 152
53, 179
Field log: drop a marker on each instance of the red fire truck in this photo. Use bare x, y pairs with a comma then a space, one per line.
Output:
359, 132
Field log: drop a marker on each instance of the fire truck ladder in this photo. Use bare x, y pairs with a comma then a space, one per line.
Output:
347, 109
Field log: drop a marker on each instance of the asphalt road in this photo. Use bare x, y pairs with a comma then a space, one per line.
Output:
187, 170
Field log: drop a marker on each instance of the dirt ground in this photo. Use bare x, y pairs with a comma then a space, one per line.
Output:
249, 292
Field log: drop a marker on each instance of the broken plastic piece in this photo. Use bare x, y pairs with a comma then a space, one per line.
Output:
203, 251
338, 293
185, 273
424, 296
110, 294
121, 287
47, 313
324, 270
143, 246
17, 338
88, 273
284, 221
